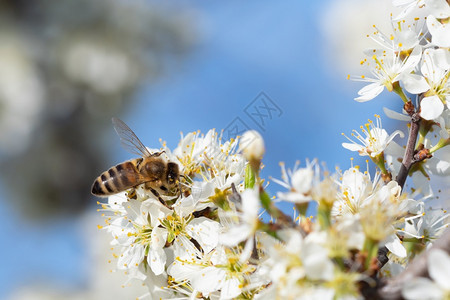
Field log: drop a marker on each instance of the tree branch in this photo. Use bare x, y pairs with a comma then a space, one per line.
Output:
408, 158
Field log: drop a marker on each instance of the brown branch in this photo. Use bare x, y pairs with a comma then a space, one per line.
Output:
408, 158
417, 268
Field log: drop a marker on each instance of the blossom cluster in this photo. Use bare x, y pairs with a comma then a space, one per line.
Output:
223, 236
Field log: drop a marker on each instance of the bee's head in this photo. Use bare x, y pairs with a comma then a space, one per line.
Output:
173, 174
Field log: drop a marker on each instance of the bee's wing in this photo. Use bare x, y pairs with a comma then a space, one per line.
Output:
129, 140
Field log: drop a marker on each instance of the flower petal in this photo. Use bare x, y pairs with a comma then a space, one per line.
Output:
369, 92
302, 180
352, 147
412, 60
394, 245
439, 268
440, 33
421, 288
438, 8
395, 115
157, 260
413, 83
205, 232
235, 235
431, 107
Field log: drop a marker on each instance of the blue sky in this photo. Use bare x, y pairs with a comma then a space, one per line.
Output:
243, 48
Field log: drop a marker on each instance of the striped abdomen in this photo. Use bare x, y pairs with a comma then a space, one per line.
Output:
118, 178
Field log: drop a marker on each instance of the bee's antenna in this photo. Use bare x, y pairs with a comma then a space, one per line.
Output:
156, 154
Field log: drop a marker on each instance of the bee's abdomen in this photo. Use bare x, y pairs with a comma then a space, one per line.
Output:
117, 179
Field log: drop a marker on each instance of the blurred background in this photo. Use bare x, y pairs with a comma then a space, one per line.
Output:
67, 67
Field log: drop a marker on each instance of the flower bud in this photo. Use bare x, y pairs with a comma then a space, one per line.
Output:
252, 145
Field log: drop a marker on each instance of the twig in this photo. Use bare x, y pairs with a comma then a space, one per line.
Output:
408, 158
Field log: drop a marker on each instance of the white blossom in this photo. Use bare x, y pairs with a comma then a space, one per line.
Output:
374, 142
298, 181
252, 145
387, 70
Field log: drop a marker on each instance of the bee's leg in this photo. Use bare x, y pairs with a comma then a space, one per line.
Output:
180, 191
155, 192
131, 194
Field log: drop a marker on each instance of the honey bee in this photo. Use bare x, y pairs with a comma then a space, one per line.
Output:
158, 175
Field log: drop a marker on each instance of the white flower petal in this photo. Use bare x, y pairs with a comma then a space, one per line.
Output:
250, 202
159, 238
410, 7
394, 245
183, 271
205, 232
131, 257
352, 147
431, 107
156, 210
293, 239
440, 33
421, 288
395, 115
235, 235
438, 8
415, 84
439, 268
248, 249
422, 184
157, 260
302, 180
293, 197
185, 249
434, 65
115, 201
209, 279
230, 289
369, 92
439, 167
412, 60
316, 262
